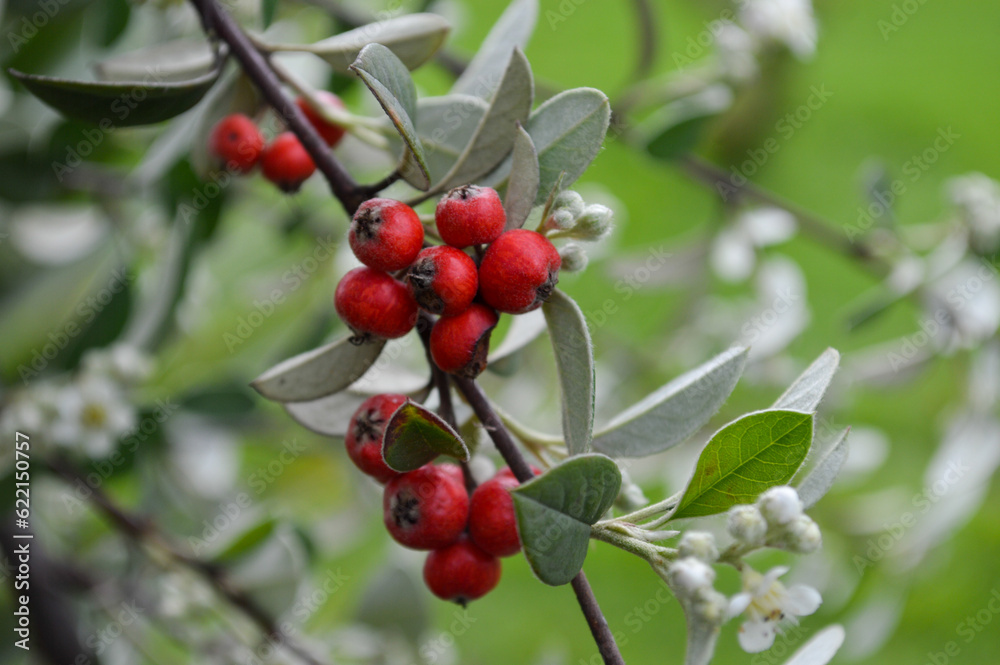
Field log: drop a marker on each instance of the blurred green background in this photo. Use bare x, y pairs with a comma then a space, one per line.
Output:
891, 94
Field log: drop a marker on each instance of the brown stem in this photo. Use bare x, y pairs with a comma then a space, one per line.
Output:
512, 455
140, 529
216, 20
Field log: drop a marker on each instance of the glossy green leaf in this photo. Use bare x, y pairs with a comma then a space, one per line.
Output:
555, 511
390, 82
522, 187
495, 133
512, 30
415, 436
675, 411
744, 458
122, 104
807, 391
246, 542
575, 365
317, 373
412, 38
173, 61
821, 478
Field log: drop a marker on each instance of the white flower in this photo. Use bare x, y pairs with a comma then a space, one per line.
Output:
93, 414
736, 52
734, 250
121, 362
780, 505
768, 604
688, 576
790, 22
698, 544
977, 197
746, 525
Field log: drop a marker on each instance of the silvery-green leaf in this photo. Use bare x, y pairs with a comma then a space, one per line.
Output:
512, 30
494, 135
413, 38
567, 131
317, 373
819, 481
327, 415
445, 126
674, 412
821, 647
575, 365
522, 187
390, 82
807, 390
523, 330
555, 511
744, 458
178, 60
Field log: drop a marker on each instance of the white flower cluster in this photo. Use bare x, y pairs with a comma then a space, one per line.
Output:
88, 413
691, 580
788, 22
571, 217
768, 605
776, 520
977, 197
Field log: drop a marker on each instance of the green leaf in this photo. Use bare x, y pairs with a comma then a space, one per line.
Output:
807, 391
512, 30
522, 188
178, 60
328, 415
317, 373
268, 9
575, 364
123, 104
678, 139
390, 82
675, 411
494, 136
567, 131
246, 542
819, 481
445, 126
555, 511
412, 38
415, 436
744, 458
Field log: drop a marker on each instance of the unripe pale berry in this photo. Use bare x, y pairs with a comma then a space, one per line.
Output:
492, 523
460, 343
519, 271
386, 235
461, 572
366, 431
470, 215
286, 163
373, 304
426, 509
236, 140
444, 280
330, 132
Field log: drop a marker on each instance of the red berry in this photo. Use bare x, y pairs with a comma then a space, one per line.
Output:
286, 163
385, 234
461, 572
492, 524
365, 432
444, 280
373, 304
426, 509
470, 215
330, 132
460, 343
519, 271
236, 140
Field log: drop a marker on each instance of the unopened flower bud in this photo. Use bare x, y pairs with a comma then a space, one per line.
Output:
710, 605
569, 201
700, 545
801, 536
688, 575
780, 505
560, 220
574, 258
594, 223
747, 525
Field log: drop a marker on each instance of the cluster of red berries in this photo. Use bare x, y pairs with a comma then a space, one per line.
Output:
431, 509
238, 141
516, 274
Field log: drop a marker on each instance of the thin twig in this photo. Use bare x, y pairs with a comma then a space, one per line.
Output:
216, 20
